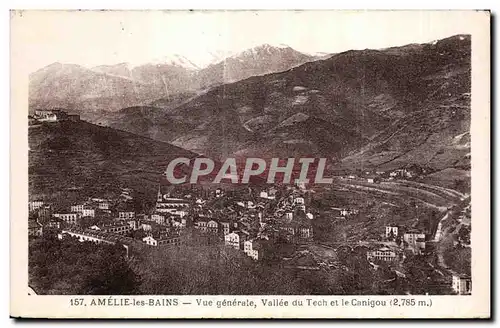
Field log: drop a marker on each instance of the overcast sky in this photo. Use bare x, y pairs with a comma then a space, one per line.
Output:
96, 38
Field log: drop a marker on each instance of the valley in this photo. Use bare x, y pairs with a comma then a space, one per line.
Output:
392, 126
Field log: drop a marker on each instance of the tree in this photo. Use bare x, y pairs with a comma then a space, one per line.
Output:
110, 276
66, 267
464, 235
138, 234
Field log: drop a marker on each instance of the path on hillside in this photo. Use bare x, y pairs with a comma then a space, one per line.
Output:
430, 195
439, 230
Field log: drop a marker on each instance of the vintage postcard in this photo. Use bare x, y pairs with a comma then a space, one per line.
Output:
250, 164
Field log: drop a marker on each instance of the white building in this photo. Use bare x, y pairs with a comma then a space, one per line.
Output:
178, 212
373, 179
150, 241
162, 240
158, 218
225, 227
179, 223
48, 115
251, 248
103, 205
88, 212
32, 206
70, 218
212, 226
132, 224
120, 229
461, 284
299, 201
235, 239
86, 236
201, 225
126, 215
97, 237
145, 226
304, 232
415, 241
77, 208
84, 210
166, 203
382, 254
391, 229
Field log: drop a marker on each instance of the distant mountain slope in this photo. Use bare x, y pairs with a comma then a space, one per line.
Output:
403, 105
112, 87
81, 158
373, 107
435, 131
89, 91
148, 121
122, 70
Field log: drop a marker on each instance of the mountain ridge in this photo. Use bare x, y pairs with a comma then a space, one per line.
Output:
384, 108
112, 87
353, 96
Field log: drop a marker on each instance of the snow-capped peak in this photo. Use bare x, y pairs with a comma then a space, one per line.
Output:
269, 49
215, 57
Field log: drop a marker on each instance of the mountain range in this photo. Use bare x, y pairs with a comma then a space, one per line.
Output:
109, 88
362, 109
368, 107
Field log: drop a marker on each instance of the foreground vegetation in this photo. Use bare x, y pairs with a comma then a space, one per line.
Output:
69, 267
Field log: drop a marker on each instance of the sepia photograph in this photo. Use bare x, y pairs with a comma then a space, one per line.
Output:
250, 153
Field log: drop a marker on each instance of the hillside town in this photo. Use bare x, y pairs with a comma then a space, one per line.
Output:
271, 223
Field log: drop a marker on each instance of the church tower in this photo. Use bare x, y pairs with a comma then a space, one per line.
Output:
160, 196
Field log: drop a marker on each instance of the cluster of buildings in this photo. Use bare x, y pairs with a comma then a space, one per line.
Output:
70, 215
398, 241
101, 220
409, 239
260, 226
253, 222
98, 237
121, 231
53, 115
376, 176
170, 210
342, 212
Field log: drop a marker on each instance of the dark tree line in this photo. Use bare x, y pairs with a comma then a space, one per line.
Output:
70, 267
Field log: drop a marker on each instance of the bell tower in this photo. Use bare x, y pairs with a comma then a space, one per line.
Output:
160, 196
